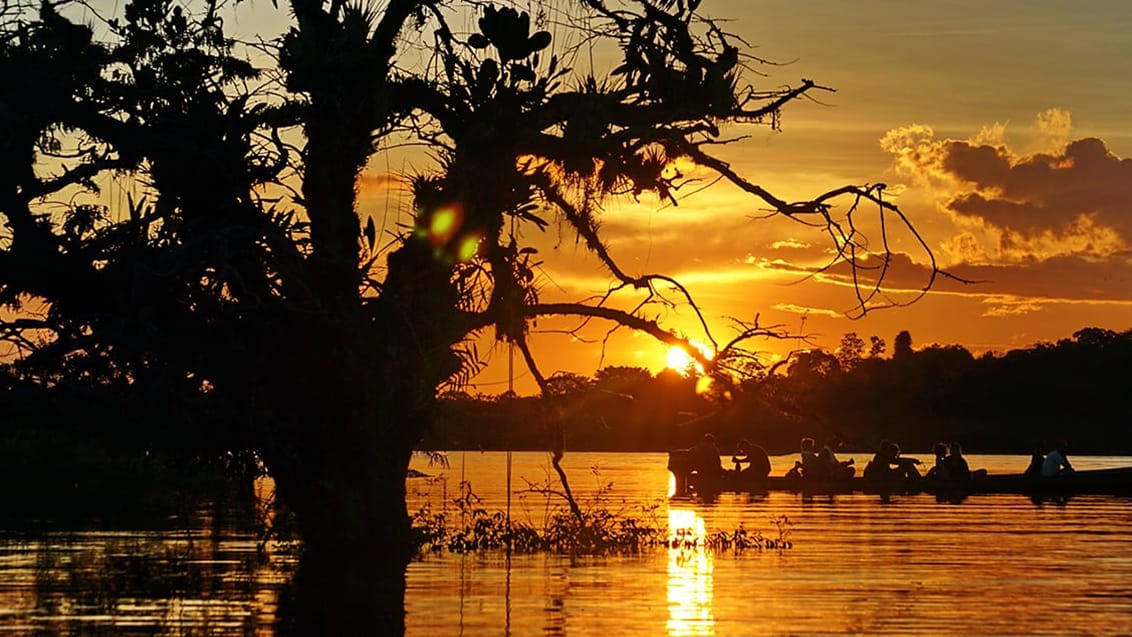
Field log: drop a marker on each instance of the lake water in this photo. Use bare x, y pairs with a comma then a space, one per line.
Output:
990, 565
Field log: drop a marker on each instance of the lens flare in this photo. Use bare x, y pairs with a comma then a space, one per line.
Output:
704, 385
468, 247
443, 225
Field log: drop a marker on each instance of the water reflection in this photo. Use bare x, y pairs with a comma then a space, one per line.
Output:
690, 567
947, 569
204, 574
556, 588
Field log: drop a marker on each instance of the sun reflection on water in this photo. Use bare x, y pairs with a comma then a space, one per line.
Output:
690, 568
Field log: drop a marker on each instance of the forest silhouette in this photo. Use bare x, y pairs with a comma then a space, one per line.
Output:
997, 402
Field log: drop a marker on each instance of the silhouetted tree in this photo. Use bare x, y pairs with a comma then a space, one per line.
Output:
876, 347
814, 364
1095, 337
320, 350
902, 345
622, 380
850, 351
568, 385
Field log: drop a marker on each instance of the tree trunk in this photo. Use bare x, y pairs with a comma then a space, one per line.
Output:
347, 413
356, 542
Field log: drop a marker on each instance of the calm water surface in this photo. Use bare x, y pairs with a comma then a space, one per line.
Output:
200, 573
992, 565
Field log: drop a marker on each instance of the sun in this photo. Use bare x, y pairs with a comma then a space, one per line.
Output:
679, 360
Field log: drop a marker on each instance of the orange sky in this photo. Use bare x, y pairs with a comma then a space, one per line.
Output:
1001, 126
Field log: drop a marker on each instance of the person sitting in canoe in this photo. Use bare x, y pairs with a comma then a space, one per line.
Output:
756, 459
1037, 460
940, 470
836, 469
957, 467
887, 465
1056, 463
705, 458
811, 465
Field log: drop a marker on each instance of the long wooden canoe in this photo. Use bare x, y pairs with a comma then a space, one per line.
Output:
1098, 481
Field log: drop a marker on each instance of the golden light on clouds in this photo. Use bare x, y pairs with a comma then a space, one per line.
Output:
806, 311
1066, 197
370, 183
789, 243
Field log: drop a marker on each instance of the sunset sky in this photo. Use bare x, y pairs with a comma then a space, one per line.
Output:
1001, 128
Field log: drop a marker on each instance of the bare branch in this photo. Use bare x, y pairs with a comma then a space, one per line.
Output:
618, 316
558, 433
587, 229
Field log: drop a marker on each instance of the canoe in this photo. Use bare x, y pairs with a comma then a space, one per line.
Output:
1098, 481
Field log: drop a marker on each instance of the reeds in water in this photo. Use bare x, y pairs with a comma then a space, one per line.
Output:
600, 527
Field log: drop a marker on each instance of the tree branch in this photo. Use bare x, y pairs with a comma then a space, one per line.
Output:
557, 431
618, 316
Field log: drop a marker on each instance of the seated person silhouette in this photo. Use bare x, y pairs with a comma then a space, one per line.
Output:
834, 468
705, 458
756, 459
1056, 463
887, 465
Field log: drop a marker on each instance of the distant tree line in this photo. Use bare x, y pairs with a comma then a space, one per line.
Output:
1073, 389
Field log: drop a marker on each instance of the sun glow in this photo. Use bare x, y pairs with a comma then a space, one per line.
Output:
690, 576
681, 361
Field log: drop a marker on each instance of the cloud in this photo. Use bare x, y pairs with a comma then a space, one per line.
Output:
1043, 193
1058, 279
903, 275
1071, 278
807, 311
1055, 125
1010, 306
373, 183
789, 243
1070, 198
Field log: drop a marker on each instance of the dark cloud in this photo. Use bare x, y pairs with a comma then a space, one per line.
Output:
902, 273
1065, 277
985, 166
1043, 193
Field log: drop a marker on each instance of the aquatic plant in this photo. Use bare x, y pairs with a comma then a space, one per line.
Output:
741, 539
471, 527
602, 528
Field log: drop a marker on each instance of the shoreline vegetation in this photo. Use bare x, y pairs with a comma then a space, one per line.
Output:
98, 457
58, 480
103, 453
1072, 389
603, 527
